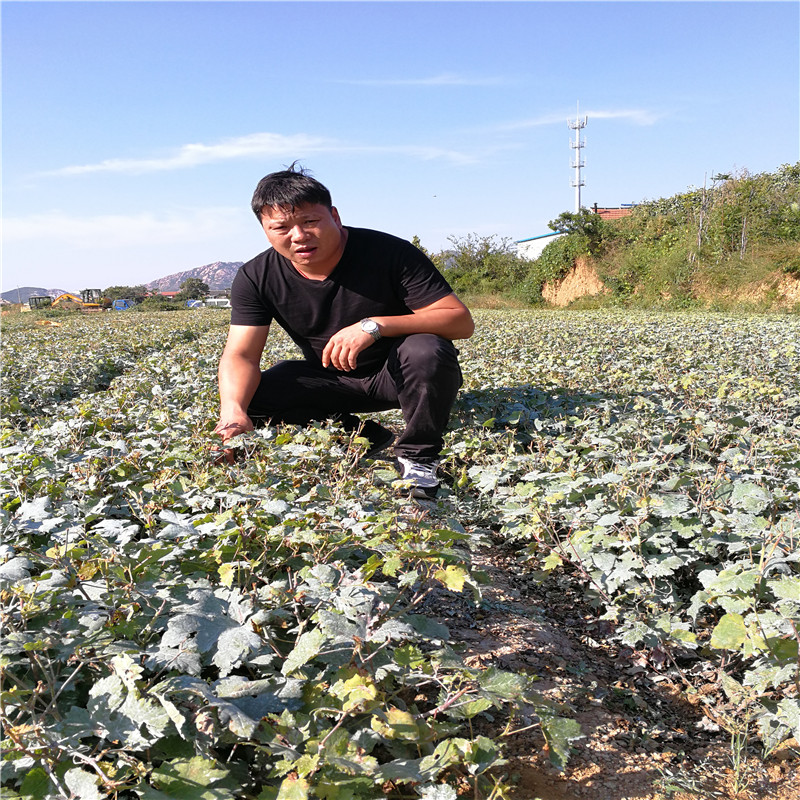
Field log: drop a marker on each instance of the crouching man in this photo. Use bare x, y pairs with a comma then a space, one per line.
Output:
373, 317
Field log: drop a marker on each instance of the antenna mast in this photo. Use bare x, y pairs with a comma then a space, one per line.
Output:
577, 125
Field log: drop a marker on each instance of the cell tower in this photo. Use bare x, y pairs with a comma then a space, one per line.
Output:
577, 145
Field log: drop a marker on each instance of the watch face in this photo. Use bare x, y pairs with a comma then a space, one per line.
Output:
370, 326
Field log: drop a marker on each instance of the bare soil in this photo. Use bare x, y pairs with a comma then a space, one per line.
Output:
779, 290
785, 289
581, 281
651, 728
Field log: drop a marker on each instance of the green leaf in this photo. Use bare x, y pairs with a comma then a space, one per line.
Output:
789, 714
669, 505
786, 588
473, 708
730, 633
553, 561
448, 752
504, 685
392, 565
439, 791
394, 723
558, 733
307, 646
401, 770
354, 690
293, 787
227, 572
191, 779
409, 655
483, 754
750, 497
428, 627
83, 784
452, 577
35, 784
123, 713
233, 646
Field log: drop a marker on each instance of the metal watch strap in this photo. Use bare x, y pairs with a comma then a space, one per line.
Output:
376, 333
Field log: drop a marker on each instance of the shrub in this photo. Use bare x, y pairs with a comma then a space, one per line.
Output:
158, 304
481, 265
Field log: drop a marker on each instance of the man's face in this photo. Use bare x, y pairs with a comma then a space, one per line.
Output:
311, 236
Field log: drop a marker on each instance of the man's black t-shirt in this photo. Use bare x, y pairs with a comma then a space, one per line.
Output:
377, 275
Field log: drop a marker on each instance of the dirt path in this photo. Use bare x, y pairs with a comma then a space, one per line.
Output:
642, 740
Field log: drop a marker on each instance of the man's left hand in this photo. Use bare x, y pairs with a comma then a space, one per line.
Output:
343, 347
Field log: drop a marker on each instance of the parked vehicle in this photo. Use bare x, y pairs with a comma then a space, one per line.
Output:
89, 300
123, 304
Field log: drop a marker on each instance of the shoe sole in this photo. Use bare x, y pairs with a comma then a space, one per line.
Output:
379, 447
402, 487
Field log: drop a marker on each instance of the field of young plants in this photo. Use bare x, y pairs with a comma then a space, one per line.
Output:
175, 628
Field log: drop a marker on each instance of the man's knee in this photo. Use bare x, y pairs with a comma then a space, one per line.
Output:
427, 346
428, 354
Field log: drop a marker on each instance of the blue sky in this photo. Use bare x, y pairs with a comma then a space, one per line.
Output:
134, 133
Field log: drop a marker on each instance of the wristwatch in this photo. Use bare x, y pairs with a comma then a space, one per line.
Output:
371, 327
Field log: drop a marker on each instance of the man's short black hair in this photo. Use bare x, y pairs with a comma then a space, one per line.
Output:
288, 189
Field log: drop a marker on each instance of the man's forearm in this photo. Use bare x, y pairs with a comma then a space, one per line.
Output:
450, 323
238, 380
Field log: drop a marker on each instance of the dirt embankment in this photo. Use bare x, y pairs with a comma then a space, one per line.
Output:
581, 281
778, 291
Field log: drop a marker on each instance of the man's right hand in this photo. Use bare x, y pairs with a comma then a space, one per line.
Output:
226, 429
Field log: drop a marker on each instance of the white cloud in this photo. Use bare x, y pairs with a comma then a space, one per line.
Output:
635, 116
118, 230
445, 79
271, 145
192, 155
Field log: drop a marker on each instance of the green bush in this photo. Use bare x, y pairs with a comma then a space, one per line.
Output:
556, 260
481, 265
138, 292
52, 313
158, 304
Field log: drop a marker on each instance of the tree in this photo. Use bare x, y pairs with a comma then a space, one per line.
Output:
192, 289
481, 264
418, 244
585, 223
137, 293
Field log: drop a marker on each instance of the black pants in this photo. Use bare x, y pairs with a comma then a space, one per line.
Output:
421, 377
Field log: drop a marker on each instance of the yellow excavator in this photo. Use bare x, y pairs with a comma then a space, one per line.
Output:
89, 300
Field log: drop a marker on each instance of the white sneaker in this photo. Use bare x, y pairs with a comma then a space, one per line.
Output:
420, 478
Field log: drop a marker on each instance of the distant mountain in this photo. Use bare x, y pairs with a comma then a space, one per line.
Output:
22, 294
218, 275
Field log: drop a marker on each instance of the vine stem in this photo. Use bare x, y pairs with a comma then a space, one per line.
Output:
447, 703
335, 728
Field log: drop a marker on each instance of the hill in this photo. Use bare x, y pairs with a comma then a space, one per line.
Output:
218, 276
22, 294
732, 245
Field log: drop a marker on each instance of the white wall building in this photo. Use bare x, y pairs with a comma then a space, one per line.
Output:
532, 248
